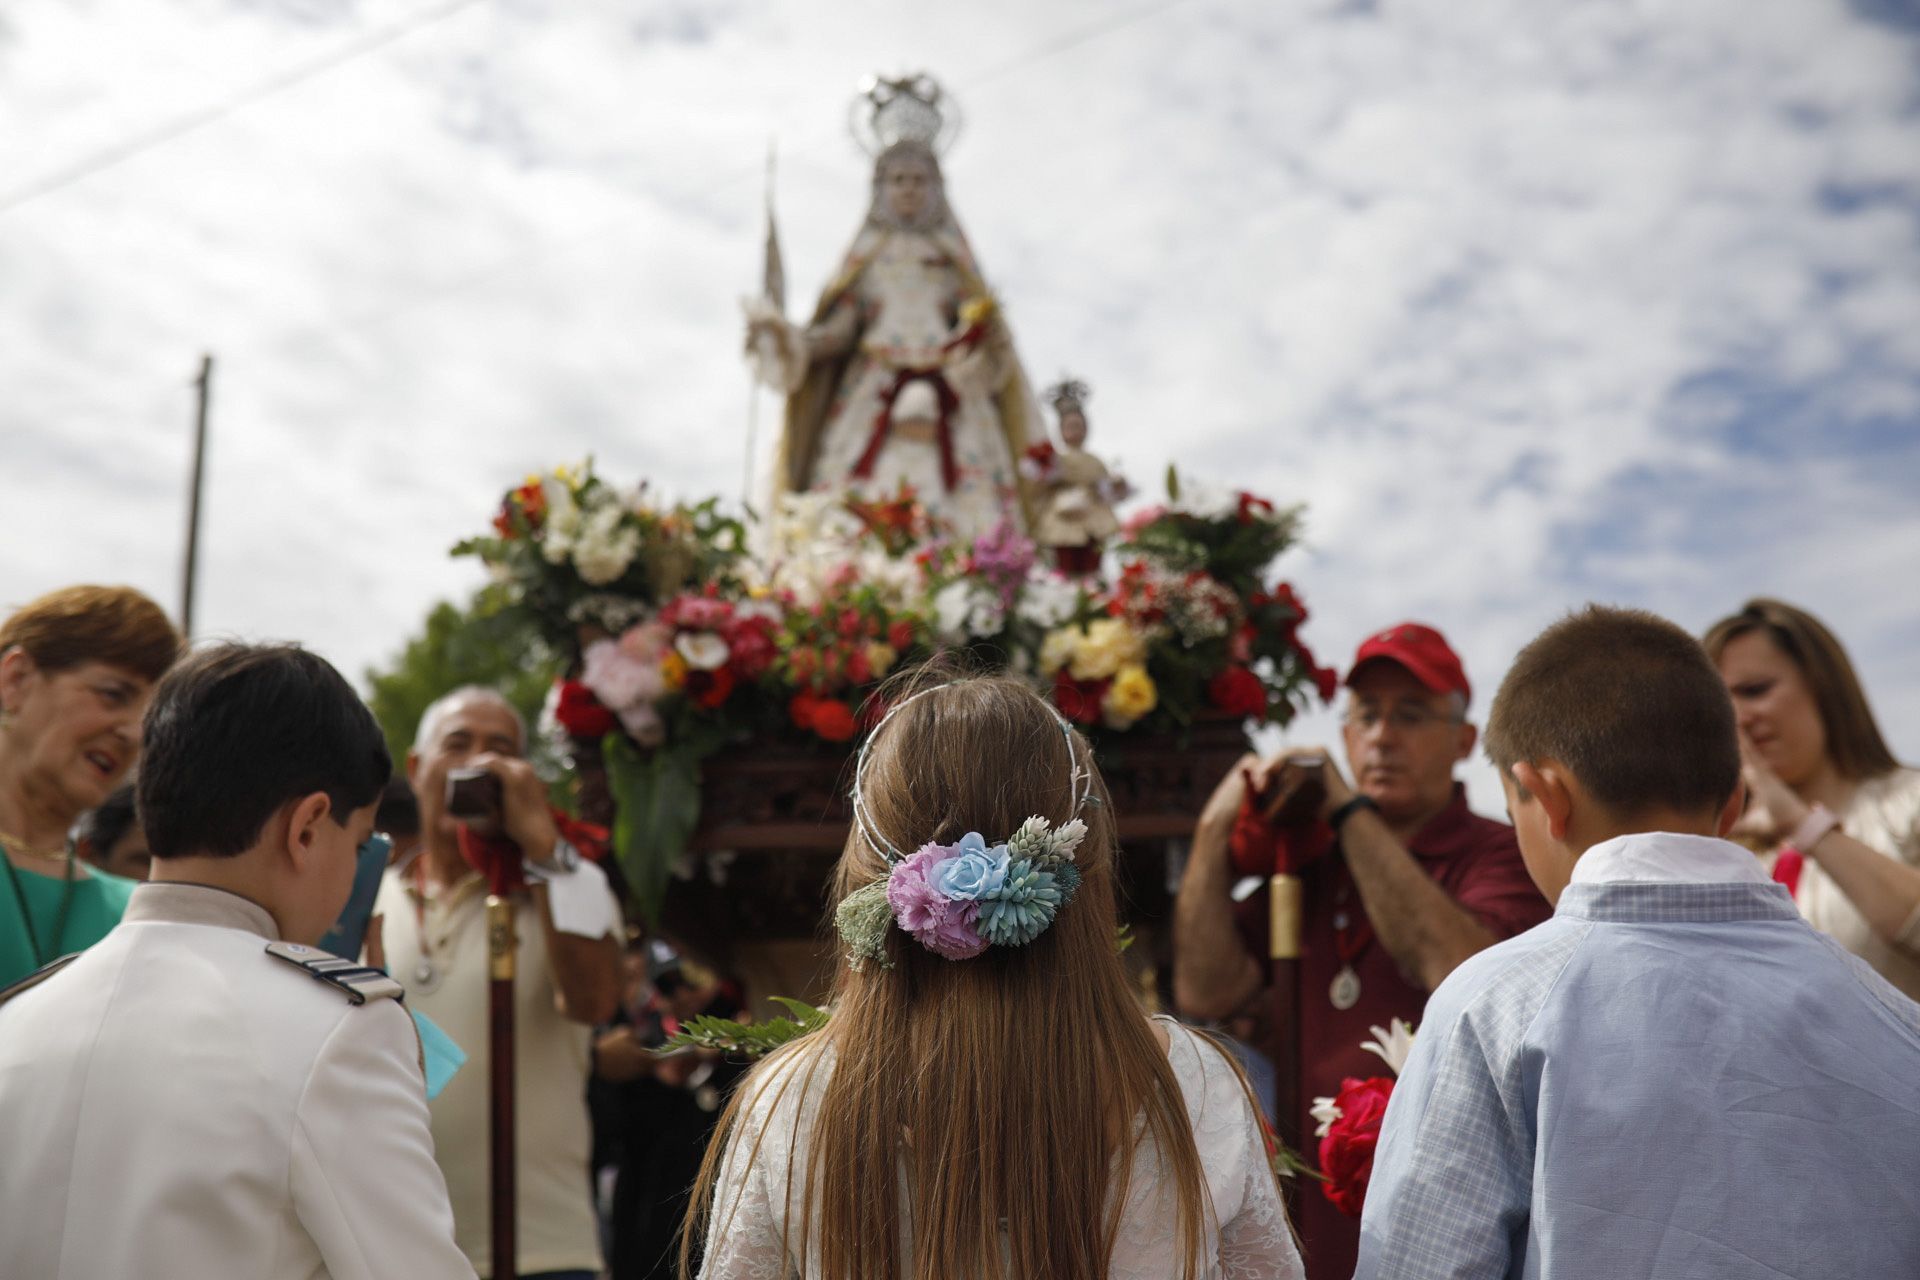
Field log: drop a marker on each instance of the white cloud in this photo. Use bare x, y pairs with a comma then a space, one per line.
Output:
1482, 283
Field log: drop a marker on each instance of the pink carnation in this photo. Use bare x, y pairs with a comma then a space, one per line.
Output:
942, 926
647, 642
617, 679
697, 613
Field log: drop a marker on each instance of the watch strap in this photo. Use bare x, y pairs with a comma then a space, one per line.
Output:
1338, 818
1813, 828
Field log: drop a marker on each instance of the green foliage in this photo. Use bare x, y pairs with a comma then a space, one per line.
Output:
460, 646
747, 1039
657, 806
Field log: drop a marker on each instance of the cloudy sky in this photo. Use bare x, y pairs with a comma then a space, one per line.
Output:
1531, 304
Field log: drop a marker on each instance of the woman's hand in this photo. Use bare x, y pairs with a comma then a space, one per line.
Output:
1773, 810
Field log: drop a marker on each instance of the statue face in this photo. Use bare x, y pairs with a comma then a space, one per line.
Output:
1073, 428
909, 187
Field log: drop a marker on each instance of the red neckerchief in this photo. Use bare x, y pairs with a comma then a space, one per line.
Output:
501, 862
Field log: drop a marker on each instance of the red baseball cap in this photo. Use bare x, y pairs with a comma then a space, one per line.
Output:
1422, 651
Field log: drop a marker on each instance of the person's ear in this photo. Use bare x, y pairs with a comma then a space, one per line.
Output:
1735, 806
1465, 736
1546, 783
17, 670
304, 817
413, 767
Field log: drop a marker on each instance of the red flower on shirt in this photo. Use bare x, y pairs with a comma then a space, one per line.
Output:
1346, 1153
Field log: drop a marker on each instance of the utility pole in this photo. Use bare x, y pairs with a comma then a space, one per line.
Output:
203, 387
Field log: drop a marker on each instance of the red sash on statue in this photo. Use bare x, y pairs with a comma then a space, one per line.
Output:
943, 429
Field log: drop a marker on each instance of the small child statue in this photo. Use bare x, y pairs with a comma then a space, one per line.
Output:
1077, 510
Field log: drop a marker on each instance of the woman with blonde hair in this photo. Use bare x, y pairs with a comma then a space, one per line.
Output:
76, 669
988, 1101
1824, 790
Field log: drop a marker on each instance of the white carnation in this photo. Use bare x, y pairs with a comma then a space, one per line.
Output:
606, 545
1049, 599
703, 650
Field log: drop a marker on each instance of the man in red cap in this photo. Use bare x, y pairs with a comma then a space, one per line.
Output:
1413, 884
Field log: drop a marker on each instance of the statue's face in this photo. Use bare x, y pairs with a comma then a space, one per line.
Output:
1073, 428
909, 188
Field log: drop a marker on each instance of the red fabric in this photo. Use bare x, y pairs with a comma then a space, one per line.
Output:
501, 862
1477, 861
1787, 866
943, 430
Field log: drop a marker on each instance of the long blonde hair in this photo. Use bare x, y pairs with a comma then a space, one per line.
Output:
1012, 1088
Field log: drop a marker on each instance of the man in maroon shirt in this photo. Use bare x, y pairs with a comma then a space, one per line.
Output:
1415, 883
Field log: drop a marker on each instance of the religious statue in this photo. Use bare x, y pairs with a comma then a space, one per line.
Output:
1076, 509
906, 374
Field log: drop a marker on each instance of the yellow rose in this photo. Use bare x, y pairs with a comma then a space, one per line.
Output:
1131, 695
881, 658
1108, 645
673, 669
1057, 649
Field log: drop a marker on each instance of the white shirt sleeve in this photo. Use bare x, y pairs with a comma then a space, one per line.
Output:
364, 1181
581, 902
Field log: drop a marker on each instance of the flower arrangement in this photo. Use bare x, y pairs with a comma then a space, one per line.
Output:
957, 900
1349, 1122
574, 551
685, 643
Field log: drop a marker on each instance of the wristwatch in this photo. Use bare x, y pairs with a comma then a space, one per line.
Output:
1813, 828
1338, 818
562, 860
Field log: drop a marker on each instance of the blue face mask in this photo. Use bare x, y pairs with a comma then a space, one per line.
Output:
349, 932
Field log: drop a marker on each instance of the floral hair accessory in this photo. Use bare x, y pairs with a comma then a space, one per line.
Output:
958, 899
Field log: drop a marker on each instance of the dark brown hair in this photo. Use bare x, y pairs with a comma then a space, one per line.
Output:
1629, 703
1026, 1076
1854, 743
237, 730
115, 625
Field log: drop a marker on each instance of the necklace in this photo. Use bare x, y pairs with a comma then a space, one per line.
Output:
40, 958
426, 974
21, 848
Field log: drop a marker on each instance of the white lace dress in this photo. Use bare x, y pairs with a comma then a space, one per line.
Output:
1247, 1237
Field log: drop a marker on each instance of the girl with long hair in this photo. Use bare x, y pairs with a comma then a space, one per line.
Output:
988, 1101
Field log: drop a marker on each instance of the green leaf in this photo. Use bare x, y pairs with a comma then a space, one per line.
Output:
747, 1039
656, 808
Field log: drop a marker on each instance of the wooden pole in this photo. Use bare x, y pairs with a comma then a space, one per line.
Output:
203, 388
503, 1202
1284, 949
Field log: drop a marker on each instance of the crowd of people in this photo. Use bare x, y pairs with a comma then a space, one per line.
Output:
1665, 1013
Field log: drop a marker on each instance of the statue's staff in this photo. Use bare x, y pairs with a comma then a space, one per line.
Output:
763, 346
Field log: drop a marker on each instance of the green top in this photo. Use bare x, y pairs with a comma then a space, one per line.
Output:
97, 904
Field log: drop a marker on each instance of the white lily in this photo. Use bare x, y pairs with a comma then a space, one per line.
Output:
1392, 1043
703, 650
1326, 1112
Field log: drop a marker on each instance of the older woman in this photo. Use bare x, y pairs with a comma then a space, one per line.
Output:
76, 669
1823, 784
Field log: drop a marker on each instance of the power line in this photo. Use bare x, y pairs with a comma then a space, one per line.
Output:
121, 152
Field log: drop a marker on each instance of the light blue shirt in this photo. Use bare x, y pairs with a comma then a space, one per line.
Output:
1666, 1079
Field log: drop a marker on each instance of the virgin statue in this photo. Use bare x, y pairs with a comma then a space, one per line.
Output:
906, 374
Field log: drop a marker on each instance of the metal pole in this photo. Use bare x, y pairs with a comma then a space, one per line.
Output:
203, 387
504, 1203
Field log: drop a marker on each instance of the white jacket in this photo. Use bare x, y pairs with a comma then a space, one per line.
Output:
176, 1102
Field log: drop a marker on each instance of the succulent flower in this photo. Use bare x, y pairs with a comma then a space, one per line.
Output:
1023, 908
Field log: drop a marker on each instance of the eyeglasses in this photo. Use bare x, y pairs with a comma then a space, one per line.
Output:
1406, 716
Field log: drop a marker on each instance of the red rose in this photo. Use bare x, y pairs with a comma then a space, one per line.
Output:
580, 713
1328, 682
900, 635
1346, 1153
803, 662
833, 719
751, 647
1239, 692
800, 709
859, 668
1250, 504
1078, 700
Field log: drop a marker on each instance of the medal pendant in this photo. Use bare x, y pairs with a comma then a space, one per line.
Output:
1344, 990
423, 972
